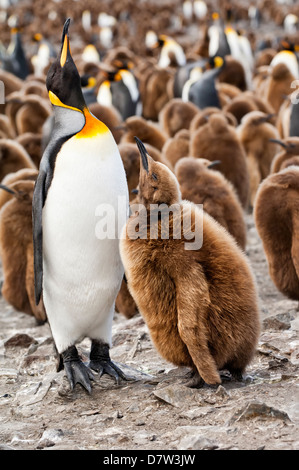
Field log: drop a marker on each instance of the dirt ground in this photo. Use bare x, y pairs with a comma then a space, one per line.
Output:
154, 411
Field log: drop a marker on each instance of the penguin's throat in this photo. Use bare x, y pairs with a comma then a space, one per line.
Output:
92, 127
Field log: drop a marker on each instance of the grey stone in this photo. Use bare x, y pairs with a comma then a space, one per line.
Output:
175, 395
19, 340
197, 443
258, 409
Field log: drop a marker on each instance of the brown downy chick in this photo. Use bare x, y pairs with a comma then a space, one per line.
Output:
240, 106
21, 175
16, 247
201, 185
148, 132
199, 302
131, 160
203, 116
290, 149
32, 143
177, 115
256, 134
177, 147
276, 217
279, 86
217, 140
13, 157
293, 161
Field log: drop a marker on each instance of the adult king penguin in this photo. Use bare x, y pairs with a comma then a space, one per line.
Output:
78, 273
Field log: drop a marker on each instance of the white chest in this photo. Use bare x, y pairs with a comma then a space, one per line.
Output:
87, 176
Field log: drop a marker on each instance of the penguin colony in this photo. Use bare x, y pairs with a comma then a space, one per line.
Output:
161, 116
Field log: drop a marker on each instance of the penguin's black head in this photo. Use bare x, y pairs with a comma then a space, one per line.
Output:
63, 80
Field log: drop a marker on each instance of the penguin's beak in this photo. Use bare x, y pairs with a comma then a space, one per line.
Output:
65, 46
63, 80
143, 153
278, 142
215, 163
8, 190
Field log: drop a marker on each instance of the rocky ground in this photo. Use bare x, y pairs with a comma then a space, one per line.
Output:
155, 411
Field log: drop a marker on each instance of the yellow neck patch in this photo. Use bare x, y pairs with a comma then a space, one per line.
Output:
92, 128
56, 102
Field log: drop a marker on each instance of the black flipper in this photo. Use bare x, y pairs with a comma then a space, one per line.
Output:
42, 186
39, 198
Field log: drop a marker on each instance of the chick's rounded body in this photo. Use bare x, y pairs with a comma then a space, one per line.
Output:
196, 303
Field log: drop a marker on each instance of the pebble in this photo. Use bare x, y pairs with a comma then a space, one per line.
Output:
197, 443
20, 340
258, 409
175, 395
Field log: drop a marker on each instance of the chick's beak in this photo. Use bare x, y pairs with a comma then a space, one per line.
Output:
143, 153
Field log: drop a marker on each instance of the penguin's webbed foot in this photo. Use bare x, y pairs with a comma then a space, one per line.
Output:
196, 381
100, 361
76, 371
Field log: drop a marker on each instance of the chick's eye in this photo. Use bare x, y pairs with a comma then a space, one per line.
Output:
154, 188
155, 177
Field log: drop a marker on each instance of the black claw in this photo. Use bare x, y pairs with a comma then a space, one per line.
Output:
100, 361
76, 371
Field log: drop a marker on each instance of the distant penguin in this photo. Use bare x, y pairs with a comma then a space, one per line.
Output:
200, 9
106, 24
44, 55
288, 116
241, 51
171, 52
16, 248
255, 16
203, 92
78, 269
218, 43
294, 120
287, 57
119, 89
200, 184
89, 86
277, 223
199, 313
91, 54
86, 21
291, 23
184, 73
14, 60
